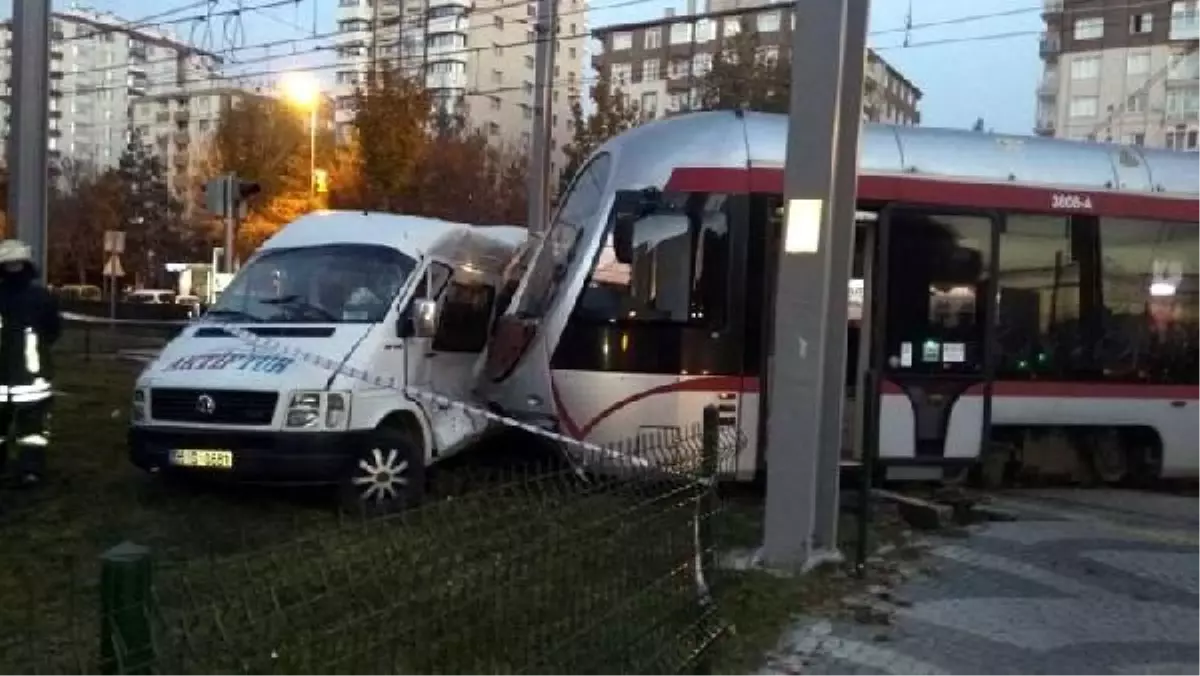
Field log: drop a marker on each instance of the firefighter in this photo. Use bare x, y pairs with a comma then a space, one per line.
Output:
29, 326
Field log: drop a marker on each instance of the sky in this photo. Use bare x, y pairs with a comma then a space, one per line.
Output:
971, 58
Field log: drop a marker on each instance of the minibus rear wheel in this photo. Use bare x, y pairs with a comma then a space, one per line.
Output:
387, 476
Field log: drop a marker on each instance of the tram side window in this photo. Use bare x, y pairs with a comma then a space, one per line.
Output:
1148, 324
466, 316
679, 271
1041, 284
936, 280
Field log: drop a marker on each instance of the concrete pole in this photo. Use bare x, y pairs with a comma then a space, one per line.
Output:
841, 251
800, 393
30, 132
543, 87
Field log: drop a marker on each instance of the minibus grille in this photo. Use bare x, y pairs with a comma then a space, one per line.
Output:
224, 407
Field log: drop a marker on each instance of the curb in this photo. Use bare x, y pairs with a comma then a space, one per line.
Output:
916, 512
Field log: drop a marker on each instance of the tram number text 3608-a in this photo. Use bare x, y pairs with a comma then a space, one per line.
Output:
1061, 200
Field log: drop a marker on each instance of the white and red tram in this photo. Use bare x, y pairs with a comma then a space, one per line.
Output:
1022, 290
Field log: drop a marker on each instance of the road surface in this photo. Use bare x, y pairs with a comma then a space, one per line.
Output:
1095, 581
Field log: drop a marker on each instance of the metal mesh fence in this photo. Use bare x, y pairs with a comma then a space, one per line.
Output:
526, 567
95, 338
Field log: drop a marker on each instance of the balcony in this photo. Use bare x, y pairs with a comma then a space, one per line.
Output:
1049, 46
1048, 85
1044, 126
182, 117
1052, 7
182, 138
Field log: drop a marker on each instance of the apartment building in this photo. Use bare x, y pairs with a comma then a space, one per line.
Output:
1121, 71
478, 54
661, 63
100, 65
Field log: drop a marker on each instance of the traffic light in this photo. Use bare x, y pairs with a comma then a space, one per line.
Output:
247, 189
228, 194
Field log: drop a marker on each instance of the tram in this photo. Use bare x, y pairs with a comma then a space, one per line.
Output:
1021, 293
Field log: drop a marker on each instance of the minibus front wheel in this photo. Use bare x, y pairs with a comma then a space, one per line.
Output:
386, 476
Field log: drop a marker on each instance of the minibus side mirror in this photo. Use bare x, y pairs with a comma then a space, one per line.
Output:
419, 320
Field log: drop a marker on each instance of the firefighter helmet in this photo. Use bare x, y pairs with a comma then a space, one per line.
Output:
15, 251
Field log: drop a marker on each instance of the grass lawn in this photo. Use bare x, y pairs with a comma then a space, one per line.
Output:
507, 569
511, 567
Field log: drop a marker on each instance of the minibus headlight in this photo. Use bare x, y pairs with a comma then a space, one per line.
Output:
318, 410
137, 412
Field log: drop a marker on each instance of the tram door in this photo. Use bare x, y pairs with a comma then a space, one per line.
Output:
930, 362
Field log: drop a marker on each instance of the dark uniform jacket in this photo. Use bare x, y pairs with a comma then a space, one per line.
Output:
29, 326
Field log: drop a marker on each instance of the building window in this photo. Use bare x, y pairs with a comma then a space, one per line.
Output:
529, 62
652, 38
622, 41
1137, 63
1185, 23
701, 64
1085, 68
497, 76
768, 22
1091, 28
650, 104
1183, 101
650, 70
706, 30
1136, 103
1084, 106
1141, 23
732, 26
769, 54
495, 102
1184, 67
679, 68
622, 73
681, 33
497, 50
527, 87
498, 22
1181, 139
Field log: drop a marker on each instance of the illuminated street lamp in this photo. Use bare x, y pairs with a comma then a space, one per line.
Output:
303, 90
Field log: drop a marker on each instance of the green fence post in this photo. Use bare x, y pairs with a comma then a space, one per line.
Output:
126, 645
710, 448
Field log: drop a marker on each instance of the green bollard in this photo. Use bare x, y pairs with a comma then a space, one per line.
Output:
126, 644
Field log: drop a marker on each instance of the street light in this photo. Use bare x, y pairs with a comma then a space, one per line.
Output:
302, 89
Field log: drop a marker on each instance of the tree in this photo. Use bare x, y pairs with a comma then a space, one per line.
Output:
612, 113
746, 75
393, 114
83, 204
151, 215
264, 140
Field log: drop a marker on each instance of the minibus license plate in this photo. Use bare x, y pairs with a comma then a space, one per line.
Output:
210, 459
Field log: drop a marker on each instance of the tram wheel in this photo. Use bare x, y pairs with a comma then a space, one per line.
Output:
1108, 458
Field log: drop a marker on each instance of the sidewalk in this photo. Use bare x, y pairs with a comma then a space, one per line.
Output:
1062, 590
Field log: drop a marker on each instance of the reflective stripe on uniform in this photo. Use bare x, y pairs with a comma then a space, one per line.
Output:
33, 359
33, 440
38, 390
